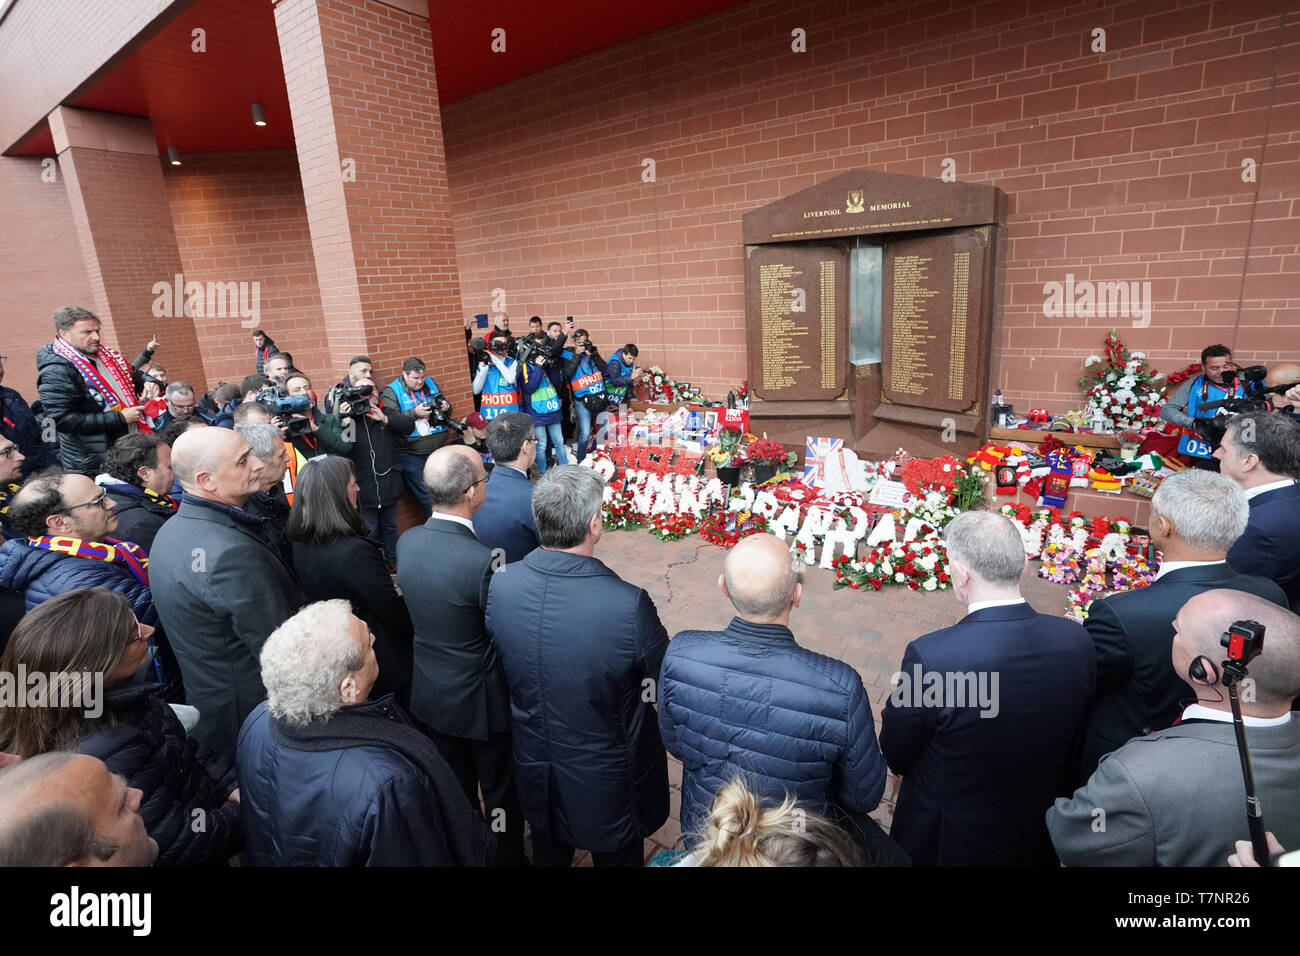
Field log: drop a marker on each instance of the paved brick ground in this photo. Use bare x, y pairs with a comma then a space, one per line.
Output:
869, 630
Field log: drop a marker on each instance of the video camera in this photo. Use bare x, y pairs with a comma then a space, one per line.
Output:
535, 350
285, 406
1251, 378
357, 398
438, 417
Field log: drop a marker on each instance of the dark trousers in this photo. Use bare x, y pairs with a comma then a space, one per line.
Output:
413, 472
382, 525
487, 764
552, 853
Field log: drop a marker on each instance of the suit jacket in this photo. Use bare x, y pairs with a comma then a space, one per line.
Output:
506, 519
1133, 635
457, 685
978, 777
578, 646
1176, 798
353, 568
220, 588
1270, 545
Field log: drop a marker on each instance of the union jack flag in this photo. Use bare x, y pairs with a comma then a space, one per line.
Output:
818, 453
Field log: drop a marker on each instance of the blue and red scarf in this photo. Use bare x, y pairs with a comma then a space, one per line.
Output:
118, 369
110, 549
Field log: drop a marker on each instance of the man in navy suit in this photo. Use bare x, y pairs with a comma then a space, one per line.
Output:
982, 713
1261, 452
505, 522
1195, 518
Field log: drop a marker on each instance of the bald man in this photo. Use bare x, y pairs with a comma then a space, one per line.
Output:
1176, 797
219, 582
750, 701
63, 809
457, 688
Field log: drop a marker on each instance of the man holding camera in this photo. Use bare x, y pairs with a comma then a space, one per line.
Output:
543, 405
584, 372
1260, 451
323, 434
372, 433
1188, 401
419, 396
1174, 797
359, 367
496, 380
620, 373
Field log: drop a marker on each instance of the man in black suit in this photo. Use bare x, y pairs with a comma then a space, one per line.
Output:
219, 583
457, 687
506, 522
982, 713
1261, 452
1195, 518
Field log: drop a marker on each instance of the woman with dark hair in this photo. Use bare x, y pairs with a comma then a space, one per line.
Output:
101, 702
335, 558
138, 477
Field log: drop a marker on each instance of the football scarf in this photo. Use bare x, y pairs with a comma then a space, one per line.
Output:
110, 549
111, 395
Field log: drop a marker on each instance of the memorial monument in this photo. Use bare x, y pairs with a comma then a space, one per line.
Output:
869, 308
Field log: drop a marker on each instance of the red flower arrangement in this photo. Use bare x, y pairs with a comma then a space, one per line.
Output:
725, 529
932, 474
674, 527
762, 450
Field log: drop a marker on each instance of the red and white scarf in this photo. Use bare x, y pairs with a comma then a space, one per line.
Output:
118, 369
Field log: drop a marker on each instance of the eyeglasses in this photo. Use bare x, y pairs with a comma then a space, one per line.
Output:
99, 500
139, 632
470, 486
8, 452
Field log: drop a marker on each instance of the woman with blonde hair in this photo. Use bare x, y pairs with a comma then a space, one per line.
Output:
742, 832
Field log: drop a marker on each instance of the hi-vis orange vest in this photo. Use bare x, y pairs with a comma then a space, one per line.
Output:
296, 460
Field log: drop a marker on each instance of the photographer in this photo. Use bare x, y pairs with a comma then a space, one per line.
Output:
1185, 405
358, 368
544, 407
620, 373
418, 395
584, 371
372, 435
323, 434
248, 391
496, 378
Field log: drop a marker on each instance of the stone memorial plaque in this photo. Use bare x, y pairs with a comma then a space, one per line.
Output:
796, 303
934, 322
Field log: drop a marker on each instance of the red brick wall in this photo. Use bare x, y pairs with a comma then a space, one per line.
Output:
1123, 165
240, 217
362, 89
124, 227
42, 264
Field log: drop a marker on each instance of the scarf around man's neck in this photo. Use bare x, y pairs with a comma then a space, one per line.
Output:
122, 388
132, 556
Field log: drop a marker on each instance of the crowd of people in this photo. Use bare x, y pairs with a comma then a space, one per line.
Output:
260, 668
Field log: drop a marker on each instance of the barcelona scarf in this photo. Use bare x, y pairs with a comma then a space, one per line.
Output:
110, 549
167, 501
7, 492
111, 395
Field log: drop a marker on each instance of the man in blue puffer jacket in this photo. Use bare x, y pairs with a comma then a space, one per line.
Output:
68, 520
750, 702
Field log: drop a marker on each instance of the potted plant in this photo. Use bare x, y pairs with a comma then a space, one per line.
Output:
722, 455
1129, 443
762, 459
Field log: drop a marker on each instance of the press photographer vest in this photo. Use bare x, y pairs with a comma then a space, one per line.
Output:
544, 399
587, 378
1204, 391
408, 401
618, 392
499, 396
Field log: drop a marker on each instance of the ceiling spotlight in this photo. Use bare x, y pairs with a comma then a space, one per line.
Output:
173, 155
259, 114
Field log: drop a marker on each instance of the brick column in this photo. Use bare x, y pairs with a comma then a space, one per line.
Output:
119, 205
364, 98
